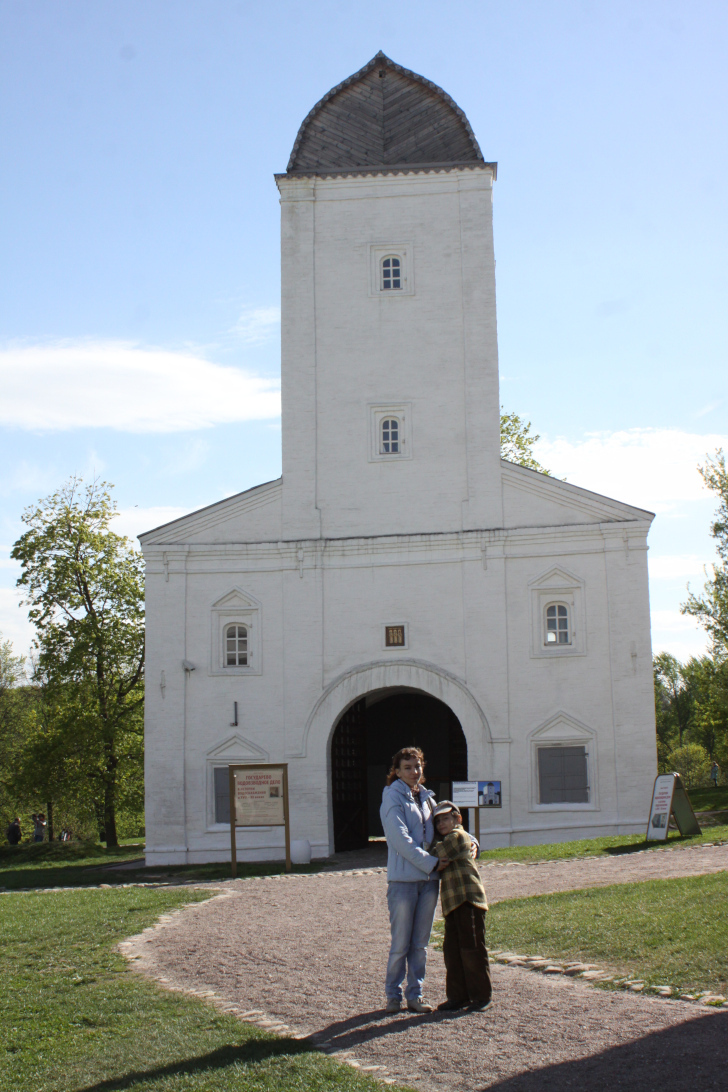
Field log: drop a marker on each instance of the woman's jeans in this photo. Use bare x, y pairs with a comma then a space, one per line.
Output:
411, 913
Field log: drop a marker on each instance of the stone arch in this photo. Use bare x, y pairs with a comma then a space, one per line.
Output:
389, 674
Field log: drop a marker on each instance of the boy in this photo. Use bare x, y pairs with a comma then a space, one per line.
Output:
464, 906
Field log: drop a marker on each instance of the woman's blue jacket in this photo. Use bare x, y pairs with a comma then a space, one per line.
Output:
407, 834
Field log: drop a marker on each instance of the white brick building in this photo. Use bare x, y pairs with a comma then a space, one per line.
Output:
520, 602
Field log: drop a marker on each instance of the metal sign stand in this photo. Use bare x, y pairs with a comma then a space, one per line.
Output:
258, 767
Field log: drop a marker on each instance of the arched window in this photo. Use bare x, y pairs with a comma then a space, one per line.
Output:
558, 631
391, 273
389, 443
236, 646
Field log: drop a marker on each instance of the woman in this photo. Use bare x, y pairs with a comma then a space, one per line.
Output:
412, 877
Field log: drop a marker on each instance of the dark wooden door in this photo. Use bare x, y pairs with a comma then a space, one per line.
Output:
349, 779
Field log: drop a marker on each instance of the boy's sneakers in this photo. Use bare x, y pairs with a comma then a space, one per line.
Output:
393, 1005
416, 1004
452, 1006
480, 1006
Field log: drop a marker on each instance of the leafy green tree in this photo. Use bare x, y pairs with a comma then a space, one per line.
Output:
517, 442
692, 763
84, 588
673, 699
711, 608
707, 678
13, 709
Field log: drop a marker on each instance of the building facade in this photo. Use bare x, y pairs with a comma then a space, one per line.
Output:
400, 583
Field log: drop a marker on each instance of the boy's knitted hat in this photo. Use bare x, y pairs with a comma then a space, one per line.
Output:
444, 808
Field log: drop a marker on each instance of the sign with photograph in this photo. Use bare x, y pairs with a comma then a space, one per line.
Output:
259, 798
670, 798
661, 808
477, 794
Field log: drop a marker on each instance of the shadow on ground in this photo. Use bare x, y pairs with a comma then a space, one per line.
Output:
690, 1057
224, 1057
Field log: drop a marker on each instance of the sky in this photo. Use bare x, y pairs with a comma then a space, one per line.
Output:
140, 280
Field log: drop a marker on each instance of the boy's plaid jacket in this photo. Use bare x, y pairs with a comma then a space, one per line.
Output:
460, 881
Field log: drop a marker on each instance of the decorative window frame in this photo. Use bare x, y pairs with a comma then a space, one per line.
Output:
377, 253
237, 606
557, 586
234, 749
562, 730
380, 412
395, 648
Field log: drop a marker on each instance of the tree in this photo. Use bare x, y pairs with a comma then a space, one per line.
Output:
673, 699
12, 726
517, 442
692, 763
711, 609
84, 587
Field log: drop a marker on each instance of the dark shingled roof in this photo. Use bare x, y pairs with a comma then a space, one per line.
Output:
383, 116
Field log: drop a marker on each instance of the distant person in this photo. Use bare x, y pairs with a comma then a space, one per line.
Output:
13, 833
39, 827
464, 906
714, 774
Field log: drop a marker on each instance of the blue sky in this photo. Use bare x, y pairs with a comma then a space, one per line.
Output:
140, 274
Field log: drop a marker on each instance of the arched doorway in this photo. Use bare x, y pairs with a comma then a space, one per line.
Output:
367, 735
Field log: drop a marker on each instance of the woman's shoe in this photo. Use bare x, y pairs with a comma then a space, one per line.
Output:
451, 1006
416, 1004
393, 1005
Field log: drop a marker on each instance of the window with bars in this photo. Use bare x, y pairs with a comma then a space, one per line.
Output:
558, 630
390, 436
562, 775
391, 274
236, 646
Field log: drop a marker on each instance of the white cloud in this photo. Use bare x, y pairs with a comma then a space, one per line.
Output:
118, 385
676, 566
652, 468
258, 324
677, 633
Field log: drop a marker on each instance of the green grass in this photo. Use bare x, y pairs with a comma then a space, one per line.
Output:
82, 864
663, 932
709, 799
75, 1018
48, 854
600, 847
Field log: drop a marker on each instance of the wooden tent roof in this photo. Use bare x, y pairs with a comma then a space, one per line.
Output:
383, 116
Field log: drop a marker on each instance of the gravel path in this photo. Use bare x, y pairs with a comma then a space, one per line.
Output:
310, 951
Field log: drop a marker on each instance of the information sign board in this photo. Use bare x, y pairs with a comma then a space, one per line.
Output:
476, 794
670, 798
259, 798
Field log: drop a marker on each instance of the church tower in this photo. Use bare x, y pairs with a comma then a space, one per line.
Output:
401, 583
391, 420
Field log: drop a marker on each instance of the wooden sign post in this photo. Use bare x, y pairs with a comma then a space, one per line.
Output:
670, 798
259, 798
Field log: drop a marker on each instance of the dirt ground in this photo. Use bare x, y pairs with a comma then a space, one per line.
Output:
310, 951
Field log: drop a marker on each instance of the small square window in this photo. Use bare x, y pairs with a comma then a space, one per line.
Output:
395, 635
